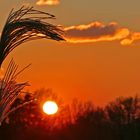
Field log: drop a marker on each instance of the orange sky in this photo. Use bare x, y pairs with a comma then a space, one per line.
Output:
101, 67
99, 73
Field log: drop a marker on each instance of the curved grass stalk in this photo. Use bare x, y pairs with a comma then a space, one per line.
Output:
24, 25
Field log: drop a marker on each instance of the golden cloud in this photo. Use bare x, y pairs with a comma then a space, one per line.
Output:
97, 31
47, 2
131, 38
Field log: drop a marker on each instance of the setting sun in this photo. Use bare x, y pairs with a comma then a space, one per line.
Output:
50, 107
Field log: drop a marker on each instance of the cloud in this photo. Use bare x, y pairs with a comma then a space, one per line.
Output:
131, 38
97, 31
48, 2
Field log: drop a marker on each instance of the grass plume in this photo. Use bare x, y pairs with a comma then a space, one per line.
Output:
21, 26
24, 25
10, 89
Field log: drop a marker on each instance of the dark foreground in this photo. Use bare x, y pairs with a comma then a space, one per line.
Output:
119, 120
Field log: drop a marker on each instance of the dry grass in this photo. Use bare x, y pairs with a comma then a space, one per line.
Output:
24, 25
10, 89
21, 26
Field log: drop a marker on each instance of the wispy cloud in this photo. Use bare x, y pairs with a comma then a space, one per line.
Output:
47, 2
97, 31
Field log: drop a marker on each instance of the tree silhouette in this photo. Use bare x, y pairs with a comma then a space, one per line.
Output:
123, 115
124, 110
90, 122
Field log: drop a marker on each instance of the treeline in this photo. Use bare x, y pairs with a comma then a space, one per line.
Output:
119, 120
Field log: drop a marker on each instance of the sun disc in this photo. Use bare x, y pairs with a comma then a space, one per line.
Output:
50, 107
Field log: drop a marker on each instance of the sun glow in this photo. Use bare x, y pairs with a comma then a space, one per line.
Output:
50, 107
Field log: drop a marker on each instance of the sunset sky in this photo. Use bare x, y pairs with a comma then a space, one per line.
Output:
100, 59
